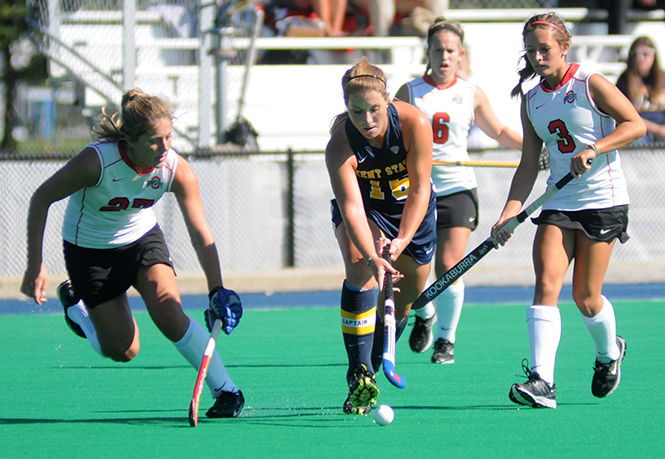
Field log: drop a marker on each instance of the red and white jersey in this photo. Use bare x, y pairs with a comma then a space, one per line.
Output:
117, 210
450, 110
568, 121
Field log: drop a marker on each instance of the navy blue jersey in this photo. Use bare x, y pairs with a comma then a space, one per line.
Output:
384, 184
381, 173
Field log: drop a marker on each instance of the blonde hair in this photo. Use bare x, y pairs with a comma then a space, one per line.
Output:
540, 21
442, 23
360, 78
138, 114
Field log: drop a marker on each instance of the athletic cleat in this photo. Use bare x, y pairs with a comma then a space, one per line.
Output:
348, 408
68, 299
535, 393
421, 336
607, 376
444, 351
363, 391
227, 405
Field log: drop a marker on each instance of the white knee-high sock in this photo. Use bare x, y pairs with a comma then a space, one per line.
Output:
426, 311
79, 314
603, 330
192, 346
544, 324
448, 311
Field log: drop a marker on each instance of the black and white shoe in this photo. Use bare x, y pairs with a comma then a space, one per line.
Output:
421, 336
535, 393
68, 299
606, 376
227, 405
444, 351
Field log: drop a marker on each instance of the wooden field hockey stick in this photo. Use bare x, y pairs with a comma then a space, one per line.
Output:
472, 163
484, 248
389, 323
203, 371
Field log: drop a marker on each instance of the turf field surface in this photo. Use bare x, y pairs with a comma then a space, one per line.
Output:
59, 399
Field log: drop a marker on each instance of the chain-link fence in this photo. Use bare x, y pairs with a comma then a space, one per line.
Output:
272, 211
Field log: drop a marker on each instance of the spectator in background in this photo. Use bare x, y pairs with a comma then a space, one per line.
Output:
330, 12
384, 13
643, 83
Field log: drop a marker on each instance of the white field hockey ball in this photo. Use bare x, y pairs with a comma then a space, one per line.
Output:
383, 415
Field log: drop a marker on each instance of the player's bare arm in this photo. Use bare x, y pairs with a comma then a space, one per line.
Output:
403, 94
490, 124
81, 171
186, 189
524, 178
418, 140
611, 100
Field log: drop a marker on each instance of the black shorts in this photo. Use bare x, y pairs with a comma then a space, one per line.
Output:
458, 210
601, 225
99, 275
421, 247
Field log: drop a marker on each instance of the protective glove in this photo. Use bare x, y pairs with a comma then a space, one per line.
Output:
224, 305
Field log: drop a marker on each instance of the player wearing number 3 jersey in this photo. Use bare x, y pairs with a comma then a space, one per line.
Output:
568, 120
583, 119
452, 106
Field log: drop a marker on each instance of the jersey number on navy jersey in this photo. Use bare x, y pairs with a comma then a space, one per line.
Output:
566, 144
399, 187
118, 204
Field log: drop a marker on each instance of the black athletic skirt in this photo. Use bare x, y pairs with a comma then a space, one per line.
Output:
99, 275
458, 210
602, 225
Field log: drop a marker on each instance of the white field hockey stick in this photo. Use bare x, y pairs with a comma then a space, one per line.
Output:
203, 371
389, 323
483, 249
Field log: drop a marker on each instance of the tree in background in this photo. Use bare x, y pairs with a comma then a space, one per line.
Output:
13, 32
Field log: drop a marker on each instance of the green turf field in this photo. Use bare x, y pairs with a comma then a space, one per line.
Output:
59, 399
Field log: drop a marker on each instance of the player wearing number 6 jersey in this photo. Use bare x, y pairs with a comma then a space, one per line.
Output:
452, 106
583, 119
112, 242
379, 160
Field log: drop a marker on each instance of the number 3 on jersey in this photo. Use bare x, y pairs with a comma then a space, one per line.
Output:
567, 143
440, 127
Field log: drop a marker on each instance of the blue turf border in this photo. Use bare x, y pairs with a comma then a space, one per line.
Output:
330, 299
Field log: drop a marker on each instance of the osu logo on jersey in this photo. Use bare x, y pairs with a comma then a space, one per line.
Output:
571, 96
155, 183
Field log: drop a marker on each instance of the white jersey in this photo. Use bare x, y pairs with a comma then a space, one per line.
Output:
568, 121
450, 110
117, 210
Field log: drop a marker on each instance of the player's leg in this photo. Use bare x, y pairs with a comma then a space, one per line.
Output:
116, 329
451, 245
552, 251
101, 309
591, 261
77, 316
358, 317
158, 288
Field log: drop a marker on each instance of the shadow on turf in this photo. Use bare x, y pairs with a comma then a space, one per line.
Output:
124, 366
278, 416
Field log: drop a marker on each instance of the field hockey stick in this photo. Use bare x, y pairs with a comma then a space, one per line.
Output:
203, 370
477, 163
484, 248
389, 323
